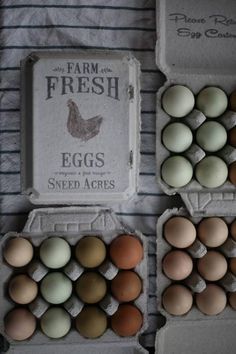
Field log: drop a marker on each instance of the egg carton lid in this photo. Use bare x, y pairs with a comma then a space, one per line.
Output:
73, 220
196, 37
80, 115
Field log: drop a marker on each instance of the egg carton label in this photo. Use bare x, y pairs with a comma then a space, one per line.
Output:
81, 123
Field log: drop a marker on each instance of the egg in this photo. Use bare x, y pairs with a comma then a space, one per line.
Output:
211, 172
232, 265
127, 320
213, 232
177, 137
212, 266
56, 288
22, 289
18, 252
91, 322
232, 100
178, 101
91, 287
177, 265
55, 322
212, 300
20, 324
232, 137
55, 252
232, 300
177, 300
126, 286
179, 232
211, 136
212, 102
233, 230
126, 251
176, 171
232, 173
90, 251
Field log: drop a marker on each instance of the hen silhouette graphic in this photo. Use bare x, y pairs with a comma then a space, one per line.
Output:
83, 129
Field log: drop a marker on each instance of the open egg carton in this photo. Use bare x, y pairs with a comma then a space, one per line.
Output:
195, 50
72, 224
199, 332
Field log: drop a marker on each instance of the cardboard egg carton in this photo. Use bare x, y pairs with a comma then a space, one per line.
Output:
194, 332
193, 49
72, 224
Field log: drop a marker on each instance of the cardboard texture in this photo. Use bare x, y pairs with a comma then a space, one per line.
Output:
80, 115
72, 223
196, 48
199, 333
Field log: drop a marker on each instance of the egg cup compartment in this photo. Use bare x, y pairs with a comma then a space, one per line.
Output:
88, 221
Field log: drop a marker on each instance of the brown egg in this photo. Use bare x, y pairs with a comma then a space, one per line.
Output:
232, 265
232, 101
18, 252
126, 251
20, 324
213, 232
91, 287
232, 137
212, 266
126, 286
233, 230
232, 173
179, 232
91, 322
127, 320
177, 300
90, 251
232, 300
177, 265
212, 300
22, 289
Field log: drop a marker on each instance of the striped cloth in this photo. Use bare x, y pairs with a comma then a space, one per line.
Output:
28, 25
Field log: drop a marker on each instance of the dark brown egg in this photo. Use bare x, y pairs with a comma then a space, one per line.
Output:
126, 251
127, 320
126, 286
232, 173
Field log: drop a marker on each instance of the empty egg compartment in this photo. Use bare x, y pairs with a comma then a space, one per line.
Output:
46, 224
211, 271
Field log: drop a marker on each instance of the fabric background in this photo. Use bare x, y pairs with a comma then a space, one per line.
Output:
28, 25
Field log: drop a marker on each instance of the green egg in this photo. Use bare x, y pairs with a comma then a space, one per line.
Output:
211, 136
177, 171
177, 137
56, 288
211, 172
55, 322
55, 252
178, 101
212, 102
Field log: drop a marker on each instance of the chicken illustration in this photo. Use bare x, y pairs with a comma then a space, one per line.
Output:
83, 129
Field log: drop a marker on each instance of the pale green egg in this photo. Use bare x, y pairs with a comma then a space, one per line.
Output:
212, 101
211, 136
55, 322
56, 288
55, 252
211, 172
178, 101
177, 171
177, 137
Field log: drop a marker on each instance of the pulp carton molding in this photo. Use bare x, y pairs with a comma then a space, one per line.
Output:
196, 48
80, 127
72, 223
193, 332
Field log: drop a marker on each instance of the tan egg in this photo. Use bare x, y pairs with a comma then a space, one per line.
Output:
18, 252
177, 300
179, 232
232, 265
90, 251
23, 289
20, 324
127, 320
177, 265
212, 266
213, 232
232, 300
212, 300
233, 230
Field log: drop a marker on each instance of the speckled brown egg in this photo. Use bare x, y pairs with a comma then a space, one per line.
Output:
179, 232
18, 252
22, 289
20, 324
177, 265
212, 300
232, 173
126, 286
126, 251
127, 320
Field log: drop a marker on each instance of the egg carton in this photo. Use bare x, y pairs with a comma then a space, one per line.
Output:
189, 54
72, 223
199, 333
